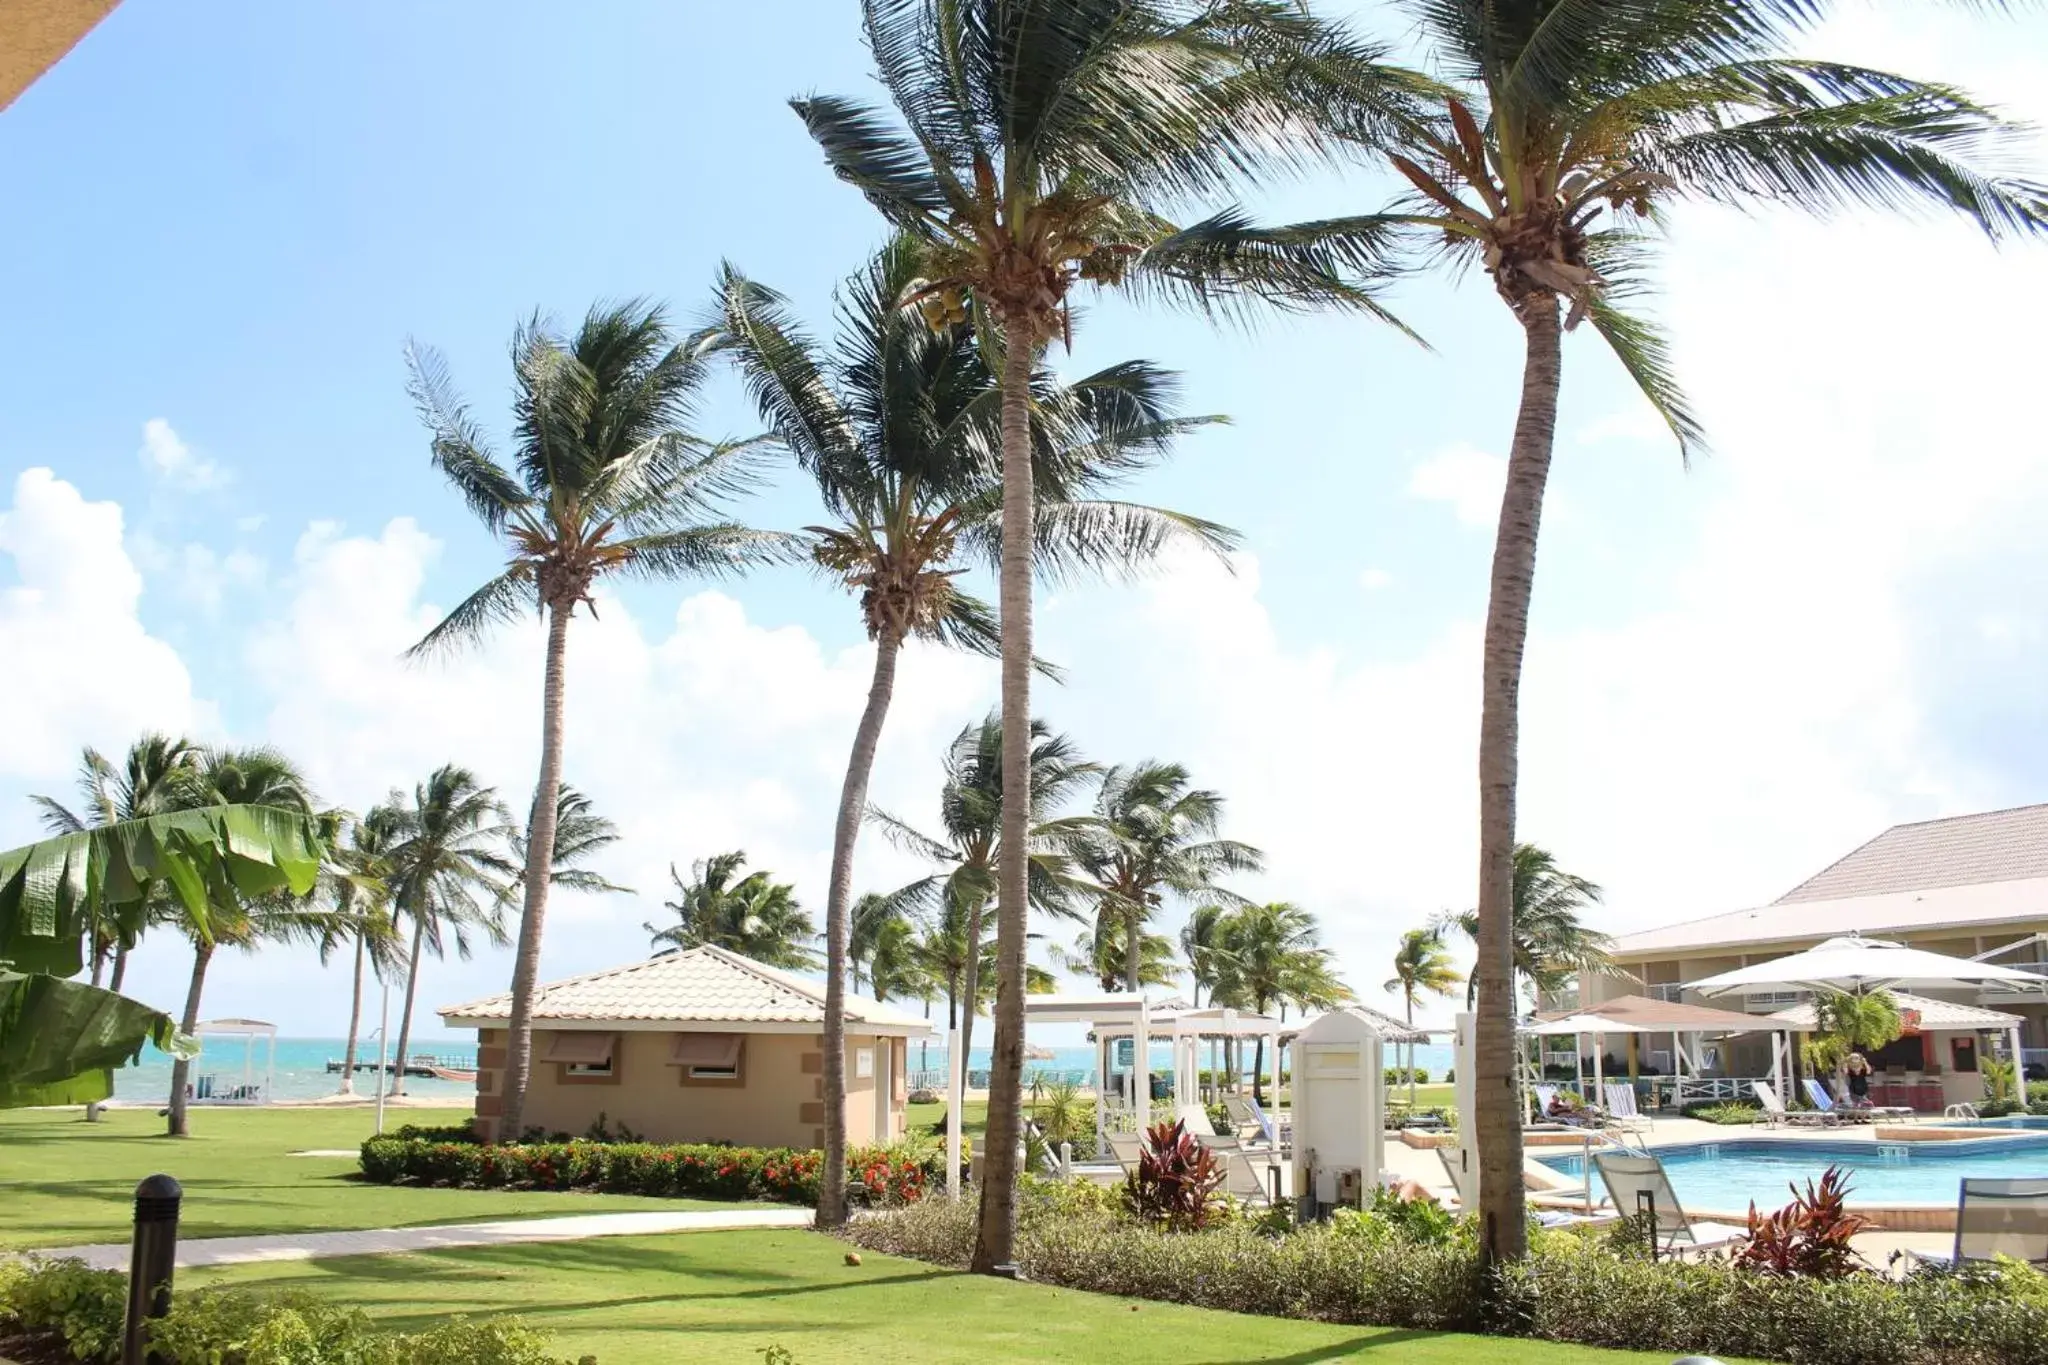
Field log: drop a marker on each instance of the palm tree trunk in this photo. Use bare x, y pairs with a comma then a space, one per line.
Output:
1259, 1070
540, 853
99, 955
120, 968
1497, 1124
1411, 1052
1134, 924
997, 1233
412, 982
970, 986
181, 1070
853, 803
355, 1022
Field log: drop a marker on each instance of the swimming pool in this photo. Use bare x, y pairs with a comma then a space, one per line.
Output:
1728, 1176
2011, 1121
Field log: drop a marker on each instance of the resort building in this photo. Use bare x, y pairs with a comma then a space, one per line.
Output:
1973, 886
702, 1045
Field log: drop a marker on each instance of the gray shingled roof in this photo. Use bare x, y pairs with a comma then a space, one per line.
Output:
1964, 850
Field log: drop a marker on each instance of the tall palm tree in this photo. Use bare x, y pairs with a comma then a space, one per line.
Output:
1151, 836
1272, 960
580, 832
1101, 954
898, 428
970, 847
605, 479
1042, 143
1550, 947
755, 915
146, 783
1422, 966
1202, 949
1574, 126
884, 940
254, 777
449, 878
356, 878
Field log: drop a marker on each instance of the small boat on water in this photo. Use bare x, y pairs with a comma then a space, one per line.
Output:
449, 1073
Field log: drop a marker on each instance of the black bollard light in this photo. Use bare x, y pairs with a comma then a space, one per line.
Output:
154, 1255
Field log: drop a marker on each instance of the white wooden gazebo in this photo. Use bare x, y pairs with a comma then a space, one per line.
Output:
249, 1091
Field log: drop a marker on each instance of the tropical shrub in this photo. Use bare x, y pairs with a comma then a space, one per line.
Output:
84, 1308
1728, 1112
1808, 1237
896, 1173
1360, 1269
1398, 1075
80, 1313
1177, 1181
1062, 1112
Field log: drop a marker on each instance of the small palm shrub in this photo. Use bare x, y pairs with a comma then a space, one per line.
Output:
1177, 1182
1727, 1112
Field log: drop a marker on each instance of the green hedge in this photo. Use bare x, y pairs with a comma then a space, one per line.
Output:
1572, 1288
62, 1310
897, 1173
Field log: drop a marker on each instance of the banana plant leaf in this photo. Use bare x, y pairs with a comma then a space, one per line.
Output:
59, 1039
205, 855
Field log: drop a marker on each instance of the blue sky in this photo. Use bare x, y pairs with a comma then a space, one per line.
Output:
228, 220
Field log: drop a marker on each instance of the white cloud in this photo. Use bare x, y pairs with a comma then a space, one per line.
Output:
1637, 422
1468, 479
1372, 580
83, 668
167, 457
198, 575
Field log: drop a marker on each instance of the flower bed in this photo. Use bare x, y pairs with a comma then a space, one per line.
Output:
899, 1173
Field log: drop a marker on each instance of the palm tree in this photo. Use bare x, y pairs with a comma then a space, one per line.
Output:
579, 833
449, 878
884, 940
1846, 1022
1043, 142
1152, 836
1550, 947
1201, 947
1101, 955
755, 916
1421, 967
605, 480
1272, 960
970, 848
357, 878
253, 777
145, 784
898, 428
1571, 111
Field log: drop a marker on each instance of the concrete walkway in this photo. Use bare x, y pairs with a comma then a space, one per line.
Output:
309, 1246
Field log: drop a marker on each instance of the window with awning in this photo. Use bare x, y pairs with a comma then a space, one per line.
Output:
707, 1056
583, 1054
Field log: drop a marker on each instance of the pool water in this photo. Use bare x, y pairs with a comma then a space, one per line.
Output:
2012, 1121
1729, 1176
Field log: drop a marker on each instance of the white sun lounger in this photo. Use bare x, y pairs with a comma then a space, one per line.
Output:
1775, 1112
1630, 1177
1621, 1107
1863, 1113
1997, 1217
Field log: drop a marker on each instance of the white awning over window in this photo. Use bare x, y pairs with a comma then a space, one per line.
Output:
713, 1051
586, 1049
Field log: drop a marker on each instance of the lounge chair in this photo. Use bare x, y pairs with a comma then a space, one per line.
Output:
1621, 1107
1855, 1113
1197, 1121
1464, 1184
1998, 1217
1125, 1147
1247, 1123
1274, 1130
1775, 1112
1631, 1179
1589, 1117
1244, 1179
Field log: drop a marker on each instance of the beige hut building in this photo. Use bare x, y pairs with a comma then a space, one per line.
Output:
702, 1045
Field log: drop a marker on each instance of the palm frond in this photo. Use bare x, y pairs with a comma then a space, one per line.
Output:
1638, 343
460, 449
507, 597
708, 551
864, 151
1226, 266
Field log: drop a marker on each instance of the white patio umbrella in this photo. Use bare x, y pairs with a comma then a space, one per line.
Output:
1575, 1025
1859, 965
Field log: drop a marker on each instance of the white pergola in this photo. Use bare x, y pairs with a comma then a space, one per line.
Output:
1113, 1018
248, 1030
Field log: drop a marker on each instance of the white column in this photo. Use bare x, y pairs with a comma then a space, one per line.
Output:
1599, 1094
1101, 1092
954, 1076
2019, 1068
1141, 1066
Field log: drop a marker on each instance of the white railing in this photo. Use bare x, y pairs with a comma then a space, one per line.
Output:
1714, 1089
1670, 992
1770, 1002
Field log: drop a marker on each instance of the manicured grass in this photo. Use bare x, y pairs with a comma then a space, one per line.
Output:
729, 1296
1426, 1096
64, 1181
920, 1118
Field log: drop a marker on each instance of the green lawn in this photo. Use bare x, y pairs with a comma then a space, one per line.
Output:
728, 1296
919, 1118
64, 1181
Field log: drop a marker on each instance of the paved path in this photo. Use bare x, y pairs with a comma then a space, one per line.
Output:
309, 1246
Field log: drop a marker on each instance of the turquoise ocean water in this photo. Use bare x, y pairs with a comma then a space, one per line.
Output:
301, 1067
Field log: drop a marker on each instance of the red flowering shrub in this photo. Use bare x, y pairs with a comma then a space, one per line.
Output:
1809, 1237
899, 1173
